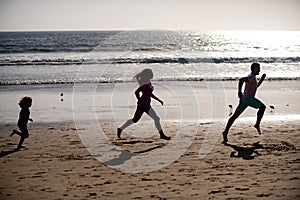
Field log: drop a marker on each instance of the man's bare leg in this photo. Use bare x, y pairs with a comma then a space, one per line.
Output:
229, 124
260, 115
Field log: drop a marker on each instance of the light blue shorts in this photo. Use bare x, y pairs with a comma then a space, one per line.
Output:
249, 101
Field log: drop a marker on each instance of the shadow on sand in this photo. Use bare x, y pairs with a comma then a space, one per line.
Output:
127, 155
247, 153
6, 153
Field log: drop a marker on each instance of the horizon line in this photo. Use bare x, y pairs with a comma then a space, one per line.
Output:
147, 29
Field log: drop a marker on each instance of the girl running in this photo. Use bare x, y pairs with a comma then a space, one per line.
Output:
143, 105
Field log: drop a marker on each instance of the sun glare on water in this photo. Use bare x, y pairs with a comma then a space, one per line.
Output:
267, 38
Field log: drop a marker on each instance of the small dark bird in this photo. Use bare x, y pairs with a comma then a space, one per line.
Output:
230, 109
272, 109
61, 99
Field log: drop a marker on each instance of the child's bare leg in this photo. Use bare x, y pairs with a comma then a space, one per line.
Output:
21, 142
16, 132
137, 116
127, 123
156, 119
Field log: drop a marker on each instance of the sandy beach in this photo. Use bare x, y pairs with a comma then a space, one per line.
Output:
55, 165
57, 162
76, 71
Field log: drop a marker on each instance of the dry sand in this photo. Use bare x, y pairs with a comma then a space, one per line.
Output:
56, 165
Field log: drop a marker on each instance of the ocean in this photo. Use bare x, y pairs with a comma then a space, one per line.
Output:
29, 58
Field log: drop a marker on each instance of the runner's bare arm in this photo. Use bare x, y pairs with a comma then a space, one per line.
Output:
157, 99
261, 80
241, 82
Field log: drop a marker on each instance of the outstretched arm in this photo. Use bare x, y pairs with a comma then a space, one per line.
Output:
261, 80
241, 82
157, 99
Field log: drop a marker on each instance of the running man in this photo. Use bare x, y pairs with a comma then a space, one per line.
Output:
248, 99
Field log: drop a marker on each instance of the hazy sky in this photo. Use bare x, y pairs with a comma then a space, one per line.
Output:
157, 14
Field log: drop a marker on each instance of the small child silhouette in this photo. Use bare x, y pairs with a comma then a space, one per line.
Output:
25, 103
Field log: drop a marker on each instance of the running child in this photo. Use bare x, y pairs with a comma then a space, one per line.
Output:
25, 104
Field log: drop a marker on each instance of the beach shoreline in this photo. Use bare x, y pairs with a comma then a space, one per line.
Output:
109, 101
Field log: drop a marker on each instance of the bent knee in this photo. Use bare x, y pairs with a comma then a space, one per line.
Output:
263, 107
135, 120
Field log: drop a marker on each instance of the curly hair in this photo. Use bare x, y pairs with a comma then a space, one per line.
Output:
25, 102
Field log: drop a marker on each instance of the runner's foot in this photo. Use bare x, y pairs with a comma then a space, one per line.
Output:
164, 137
257, 128
119, 131
19, 148
225, 139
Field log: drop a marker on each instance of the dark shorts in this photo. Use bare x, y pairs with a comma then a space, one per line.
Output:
140, 111
24, 131
249, 101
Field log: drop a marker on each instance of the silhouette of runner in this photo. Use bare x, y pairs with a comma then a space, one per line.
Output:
25, 104
143, 105
248, 99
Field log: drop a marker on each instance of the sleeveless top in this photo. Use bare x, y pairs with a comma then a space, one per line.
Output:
251, 86
146, 90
